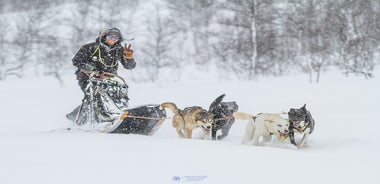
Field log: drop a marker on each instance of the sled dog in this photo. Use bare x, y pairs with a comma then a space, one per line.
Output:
263, 125
223, 118
301, 121
190, 118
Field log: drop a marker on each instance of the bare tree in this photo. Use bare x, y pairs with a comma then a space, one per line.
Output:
357, 31
274, 51
40, 47
8, 66
243, 38
237, 46
54, 58
192, 19
3, 7
125, 9
307, 24
113, 13
79, 23
158, 47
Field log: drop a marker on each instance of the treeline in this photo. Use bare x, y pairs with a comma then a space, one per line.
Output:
243, 39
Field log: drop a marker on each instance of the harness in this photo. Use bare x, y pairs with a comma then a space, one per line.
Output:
101, 60
302, 129
224, 115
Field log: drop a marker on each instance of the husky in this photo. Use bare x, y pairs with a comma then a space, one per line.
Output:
263, 125
223, 118
301, 121
185, 121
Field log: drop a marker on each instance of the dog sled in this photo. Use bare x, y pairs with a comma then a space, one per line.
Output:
105, 109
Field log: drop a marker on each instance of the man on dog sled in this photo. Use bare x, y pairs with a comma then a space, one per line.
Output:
103, 55
99, 60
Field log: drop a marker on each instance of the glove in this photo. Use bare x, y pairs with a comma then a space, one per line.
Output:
128, 52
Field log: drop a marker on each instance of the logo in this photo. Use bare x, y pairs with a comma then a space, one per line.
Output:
176, 178
190, 178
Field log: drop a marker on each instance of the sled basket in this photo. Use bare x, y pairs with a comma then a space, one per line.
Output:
143, 120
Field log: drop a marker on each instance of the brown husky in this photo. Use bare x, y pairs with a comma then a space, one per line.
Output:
190, 118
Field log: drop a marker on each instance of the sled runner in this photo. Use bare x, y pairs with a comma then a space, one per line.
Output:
104, 108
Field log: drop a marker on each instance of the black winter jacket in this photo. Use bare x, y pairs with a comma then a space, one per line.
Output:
100, 57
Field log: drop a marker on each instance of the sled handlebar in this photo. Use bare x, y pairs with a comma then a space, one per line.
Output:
103, 75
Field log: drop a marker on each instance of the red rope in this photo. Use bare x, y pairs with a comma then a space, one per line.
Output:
142, 117
152, 118
225, 118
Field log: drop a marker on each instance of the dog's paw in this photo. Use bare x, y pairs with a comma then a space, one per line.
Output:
303, 146
221, 137
292, 147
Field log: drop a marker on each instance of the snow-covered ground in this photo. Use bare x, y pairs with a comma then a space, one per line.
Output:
343, 149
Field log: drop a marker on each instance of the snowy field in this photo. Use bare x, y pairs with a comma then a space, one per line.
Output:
342, 149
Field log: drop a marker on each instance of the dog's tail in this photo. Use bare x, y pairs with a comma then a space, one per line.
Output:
172, 107
242, 115
216, 102
250, 129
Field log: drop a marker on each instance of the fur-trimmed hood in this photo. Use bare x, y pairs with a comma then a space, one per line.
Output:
115, 31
